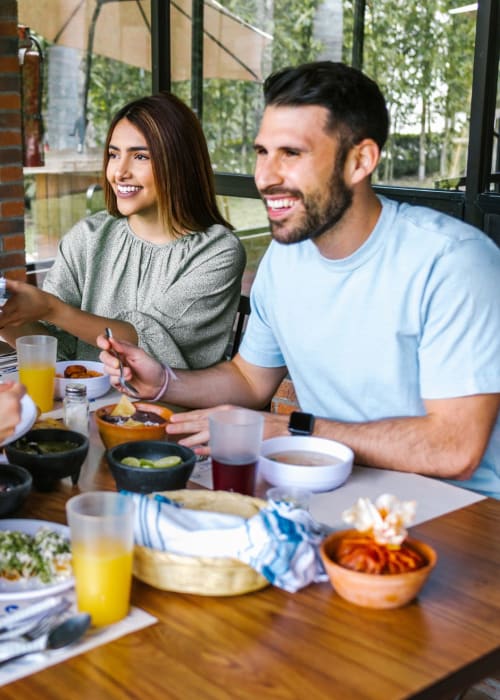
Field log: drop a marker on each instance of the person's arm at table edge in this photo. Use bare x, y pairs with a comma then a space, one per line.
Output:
48, 307
448, 442
236, 381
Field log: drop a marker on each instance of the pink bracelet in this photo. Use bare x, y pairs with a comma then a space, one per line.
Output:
169, 372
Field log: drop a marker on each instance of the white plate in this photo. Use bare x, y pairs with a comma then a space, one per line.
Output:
26, 590
28, 417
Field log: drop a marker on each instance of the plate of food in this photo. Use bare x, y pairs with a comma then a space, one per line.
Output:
35, 559
29, 413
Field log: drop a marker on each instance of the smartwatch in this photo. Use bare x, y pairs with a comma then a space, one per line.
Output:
301, 423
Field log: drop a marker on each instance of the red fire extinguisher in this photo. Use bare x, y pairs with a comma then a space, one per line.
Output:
30, 62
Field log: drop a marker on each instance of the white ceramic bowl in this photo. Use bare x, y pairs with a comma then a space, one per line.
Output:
314, 478
96, 386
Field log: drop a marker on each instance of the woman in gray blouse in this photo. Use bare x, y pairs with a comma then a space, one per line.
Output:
161, 267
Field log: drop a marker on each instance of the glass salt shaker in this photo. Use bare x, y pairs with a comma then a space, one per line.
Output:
76, 408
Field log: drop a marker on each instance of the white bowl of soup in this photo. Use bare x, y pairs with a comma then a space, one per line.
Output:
306, 462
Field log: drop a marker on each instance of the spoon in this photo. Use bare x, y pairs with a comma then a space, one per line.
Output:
126, 385
35, 446
61, 635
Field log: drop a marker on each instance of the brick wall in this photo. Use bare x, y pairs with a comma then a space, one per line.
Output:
285, 400
12, 256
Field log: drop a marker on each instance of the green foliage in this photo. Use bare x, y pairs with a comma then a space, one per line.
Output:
112, 85
421, 57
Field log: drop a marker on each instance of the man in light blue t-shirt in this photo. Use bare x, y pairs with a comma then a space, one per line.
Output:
386, 316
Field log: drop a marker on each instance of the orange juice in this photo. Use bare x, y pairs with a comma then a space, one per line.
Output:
39, 383
103, 575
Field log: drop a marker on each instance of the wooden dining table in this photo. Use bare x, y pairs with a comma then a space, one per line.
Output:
308, 645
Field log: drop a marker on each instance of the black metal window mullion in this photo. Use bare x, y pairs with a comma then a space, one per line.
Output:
160, 45
483, 104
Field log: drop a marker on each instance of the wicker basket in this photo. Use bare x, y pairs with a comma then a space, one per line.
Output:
212, 576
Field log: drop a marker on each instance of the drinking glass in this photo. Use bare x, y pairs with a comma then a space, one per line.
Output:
235, 439
36, 358
102, 541
300, 498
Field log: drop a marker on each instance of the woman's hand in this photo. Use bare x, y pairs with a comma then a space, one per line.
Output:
140, 369
11, 394
26, 304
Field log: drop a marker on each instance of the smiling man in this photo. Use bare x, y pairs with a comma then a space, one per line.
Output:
386, 316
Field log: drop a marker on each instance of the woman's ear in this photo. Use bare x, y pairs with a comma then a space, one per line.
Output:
361, 161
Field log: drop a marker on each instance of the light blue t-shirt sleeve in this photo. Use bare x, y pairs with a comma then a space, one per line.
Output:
260, 346
459, 352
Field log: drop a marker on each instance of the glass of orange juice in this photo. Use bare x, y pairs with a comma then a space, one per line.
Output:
102, 542
36, 358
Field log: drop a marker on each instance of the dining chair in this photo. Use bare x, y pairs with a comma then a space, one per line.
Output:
241, 319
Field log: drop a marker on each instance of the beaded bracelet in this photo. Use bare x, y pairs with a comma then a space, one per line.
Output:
169, 372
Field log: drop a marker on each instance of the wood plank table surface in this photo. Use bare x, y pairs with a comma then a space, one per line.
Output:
304, 646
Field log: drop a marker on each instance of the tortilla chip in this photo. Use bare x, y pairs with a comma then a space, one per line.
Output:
124, 407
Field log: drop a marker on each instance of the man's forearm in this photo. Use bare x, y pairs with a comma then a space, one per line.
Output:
209, 387
448, 442
235, 382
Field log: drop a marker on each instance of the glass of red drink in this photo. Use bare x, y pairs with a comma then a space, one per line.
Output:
235, 439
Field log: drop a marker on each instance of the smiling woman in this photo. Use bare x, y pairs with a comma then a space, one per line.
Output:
160, 267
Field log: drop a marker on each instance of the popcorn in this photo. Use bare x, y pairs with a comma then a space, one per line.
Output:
385, 521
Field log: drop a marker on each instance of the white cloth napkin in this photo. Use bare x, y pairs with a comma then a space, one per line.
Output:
280, 542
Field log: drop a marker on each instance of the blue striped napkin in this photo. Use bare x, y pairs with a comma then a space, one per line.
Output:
281, 542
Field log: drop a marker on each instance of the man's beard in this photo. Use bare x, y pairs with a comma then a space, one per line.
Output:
318, 217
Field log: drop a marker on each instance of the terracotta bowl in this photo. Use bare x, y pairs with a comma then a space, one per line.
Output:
372, 590
112, 434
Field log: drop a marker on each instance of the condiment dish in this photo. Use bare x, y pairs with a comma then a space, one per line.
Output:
96, 386
15, 485
113, 434
148, 479
306, 462
66, 459
375, 590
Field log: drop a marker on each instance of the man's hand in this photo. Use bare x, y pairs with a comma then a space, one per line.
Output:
146, 374
191, 428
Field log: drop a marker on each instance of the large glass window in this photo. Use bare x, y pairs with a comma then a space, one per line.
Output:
96, 56
421, 54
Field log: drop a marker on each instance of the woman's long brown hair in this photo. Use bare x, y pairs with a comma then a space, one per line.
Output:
180, 161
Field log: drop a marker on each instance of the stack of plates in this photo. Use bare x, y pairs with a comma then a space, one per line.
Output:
8, 360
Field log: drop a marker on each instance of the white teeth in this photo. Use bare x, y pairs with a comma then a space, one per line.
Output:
126, 189
279, 203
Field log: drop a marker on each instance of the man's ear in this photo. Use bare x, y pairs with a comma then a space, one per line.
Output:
361, 161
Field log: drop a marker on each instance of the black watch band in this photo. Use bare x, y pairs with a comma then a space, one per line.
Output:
301, 423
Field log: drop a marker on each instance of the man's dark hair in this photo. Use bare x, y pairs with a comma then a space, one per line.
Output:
355, 104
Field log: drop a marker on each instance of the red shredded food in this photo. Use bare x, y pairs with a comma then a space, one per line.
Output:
367, 556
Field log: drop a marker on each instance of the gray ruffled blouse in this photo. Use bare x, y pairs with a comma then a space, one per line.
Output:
181, 296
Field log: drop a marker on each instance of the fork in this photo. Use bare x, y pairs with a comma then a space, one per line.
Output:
126, 385
41, 628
